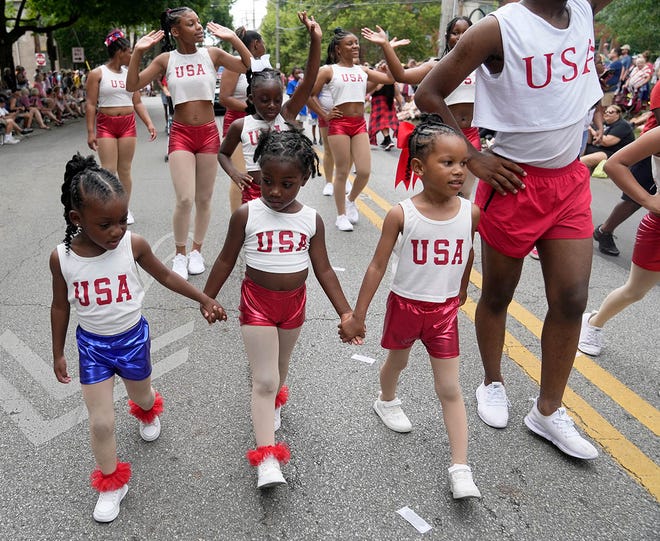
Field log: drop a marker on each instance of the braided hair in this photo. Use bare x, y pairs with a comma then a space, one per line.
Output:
257, 78
292, 145
168, 19
115, 42
450, 27
338, 35
84, 178
422, 137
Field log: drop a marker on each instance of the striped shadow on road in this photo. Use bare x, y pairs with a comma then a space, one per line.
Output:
639, 466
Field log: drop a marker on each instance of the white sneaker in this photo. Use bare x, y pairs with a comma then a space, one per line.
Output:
492, 404
195, 263
559, 429
269, 473
343, 224
278, 419
592, 338
328, 189
11, 140
129, 219
349, 186
392, 415
352, 211
180, 265
150, 431
461, 482
107, 506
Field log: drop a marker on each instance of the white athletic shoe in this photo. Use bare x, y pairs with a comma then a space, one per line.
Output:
343, 223
180, 265
328, 189
107, 506
195, 263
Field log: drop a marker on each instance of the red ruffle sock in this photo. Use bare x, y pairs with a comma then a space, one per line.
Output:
112, 481
280, 451
282, 396
147, 416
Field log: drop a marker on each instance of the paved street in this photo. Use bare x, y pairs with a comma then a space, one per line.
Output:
348, 474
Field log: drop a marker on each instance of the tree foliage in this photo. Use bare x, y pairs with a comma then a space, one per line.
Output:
417, 21
635, 22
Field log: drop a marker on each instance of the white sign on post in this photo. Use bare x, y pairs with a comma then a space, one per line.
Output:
78, 54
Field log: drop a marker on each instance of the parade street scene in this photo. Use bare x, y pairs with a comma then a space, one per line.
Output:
336, 291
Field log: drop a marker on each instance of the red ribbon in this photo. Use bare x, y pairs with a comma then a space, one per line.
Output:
405, 129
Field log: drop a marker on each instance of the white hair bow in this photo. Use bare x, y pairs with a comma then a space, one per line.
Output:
260, 64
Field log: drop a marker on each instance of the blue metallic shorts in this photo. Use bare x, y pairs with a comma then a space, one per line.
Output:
127, 354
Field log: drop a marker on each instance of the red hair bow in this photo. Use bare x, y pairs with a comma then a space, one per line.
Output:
403, 134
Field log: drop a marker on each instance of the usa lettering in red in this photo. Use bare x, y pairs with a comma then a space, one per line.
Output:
189, 70
103, 291
352, 77
253, 135
114, 83
444, 253
569, 67
287, 241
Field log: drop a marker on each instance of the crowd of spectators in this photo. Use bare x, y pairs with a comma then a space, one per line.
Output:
45, 101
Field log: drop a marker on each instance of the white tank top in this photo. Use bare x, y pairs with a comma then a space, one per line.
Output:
112, 88
240, 91
551, 79
252, 128
430, 255
278, 242
105, 291
325, 98
191, 77
348, 85
464, 93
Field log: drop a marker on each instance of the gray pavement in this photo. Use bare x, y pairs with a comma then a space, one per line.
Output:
348, 474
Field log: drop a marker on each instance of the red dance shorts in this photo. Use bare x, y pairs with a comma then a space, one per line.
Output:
267, 308
115, 127
556, 204
250, 192
323, 123
229, 117
203, 139
646, 253
347, 125
434, 323
472, 135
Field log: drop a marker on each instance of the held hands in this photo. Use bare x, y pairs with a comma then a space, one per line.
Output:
212, 310
351, 329
147, 42
61, 373
503, 175
219, 31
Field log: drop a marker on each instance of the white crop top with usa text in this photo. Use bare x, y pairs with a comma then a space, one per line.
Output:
430, 256
348, 85
112, 88
105, 291
191, 77
537, 103
252, 128
465, 92
278, 242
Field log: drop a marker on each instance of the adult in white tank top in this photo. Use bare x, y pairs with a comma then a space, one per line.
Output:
460, 101
233, 95
194, 141
110, 112
347, 132
536, 80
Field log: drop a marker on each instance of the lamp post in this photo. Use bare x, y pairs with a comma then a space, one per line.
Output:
277, 34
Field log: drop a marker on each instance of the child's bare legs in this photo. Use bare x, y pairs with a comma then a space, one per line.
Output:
639, 283
100, 406
125, 152
268, 350
397, 360
448, 389
141, 392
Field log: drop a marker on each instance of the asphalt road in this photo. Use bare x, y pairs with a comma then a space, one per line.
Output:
348, 474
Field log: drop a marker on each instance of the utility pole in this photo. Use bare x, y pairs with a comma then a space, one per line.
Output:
277, 34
